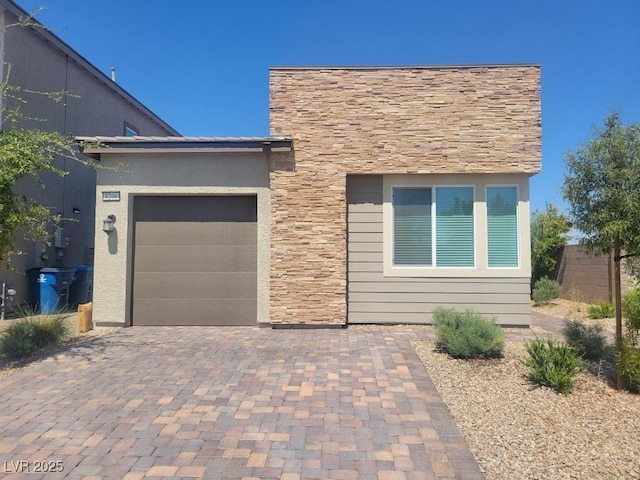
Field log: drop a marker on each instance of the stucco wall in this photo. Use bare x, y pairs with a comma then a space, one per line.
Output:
381, 121
168, 174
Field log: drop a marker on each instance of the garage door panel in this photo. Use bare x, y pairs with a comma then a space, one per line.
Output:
217, 209
195, 261
205, 258
196, 233
196, 285
196, 312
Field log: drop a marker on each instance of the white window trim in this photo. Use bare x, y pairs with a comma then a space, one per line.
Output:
480, 182
518, 226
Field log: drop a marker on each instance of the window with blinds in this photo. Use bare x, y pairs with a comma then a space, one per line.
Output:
454, 227
502, 226
412, 226
428, 233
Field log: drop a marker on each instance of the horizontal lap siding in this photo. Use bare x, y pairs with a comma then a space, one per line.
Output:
372, 298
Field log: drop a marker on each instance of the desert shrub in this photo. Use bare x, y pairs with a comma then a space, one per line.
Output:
25, 336
47, 331
467, 334
553, 364
545, 290
602, 310
631, 312
16, 341
588, 341
628, 363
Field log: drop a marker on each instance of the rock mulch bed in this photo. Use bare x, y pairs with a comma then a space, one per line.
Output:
569, 310
517, 430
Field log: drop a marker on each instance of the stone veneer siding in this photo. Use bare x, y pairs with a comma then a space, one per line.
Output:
428, 120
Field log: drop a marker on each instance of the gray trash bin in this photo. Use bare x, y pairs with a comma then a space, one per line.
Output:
81, 290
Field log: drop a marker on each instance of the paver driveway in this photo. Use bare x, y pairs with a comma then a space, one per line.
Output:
226, 402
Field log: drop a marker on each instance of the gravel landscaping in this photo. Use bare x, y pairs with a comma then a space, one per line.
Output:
517, 430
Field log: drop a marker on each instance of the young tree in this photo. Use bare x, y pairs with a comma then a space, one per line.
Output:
602, 187
25, 154
549, 232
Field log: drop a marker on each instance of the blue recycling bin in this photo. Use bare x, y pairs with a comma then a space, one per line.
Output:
81, 290
53, 289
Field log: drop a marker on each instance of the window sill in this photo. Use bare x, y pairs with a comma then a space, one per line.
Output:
460, 272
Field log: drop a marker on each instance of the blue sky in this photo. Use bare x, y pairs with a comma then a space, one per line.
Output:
202, 65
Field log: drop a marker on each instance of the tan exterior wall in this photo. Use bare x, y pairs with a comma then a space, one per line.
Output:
376, 295
157, 174
436, 120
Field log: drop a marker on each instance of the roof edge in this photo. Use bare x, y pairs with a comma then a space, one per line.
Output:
179, 139
48, 36
402, 67
101, 145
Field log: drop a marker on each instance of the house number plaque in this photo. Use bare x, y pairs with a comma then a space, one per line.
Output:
110, 196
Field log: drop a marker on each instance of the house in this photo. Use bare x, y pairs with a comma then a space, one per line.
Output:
35, 59
381, 194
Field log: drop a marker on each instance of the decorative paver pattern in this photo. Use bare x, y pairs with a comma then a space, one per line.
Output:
234, 402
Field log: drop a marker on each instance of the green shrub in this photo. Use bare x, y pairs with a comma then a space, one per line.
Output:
25, 336
545, 290
467, 334
47, 331
602, 310
16, 341
588, 341
553, 364
631, 312
628, 363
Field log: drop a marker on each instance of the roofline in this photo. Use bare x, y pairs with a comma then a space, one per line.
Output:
109, 145
401, 67
43, 32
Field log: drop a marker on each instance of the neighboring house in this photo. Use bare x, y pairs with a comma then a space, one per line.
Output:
36, 59
395, 191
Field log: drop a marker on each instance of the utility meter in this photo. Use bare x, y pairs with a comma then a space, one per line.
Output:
61, 238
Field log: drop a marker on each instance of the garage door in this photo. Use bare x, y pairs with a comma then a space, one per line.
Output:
195, 261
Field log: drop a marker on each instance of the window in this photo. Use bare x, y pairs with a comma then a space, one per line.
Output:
454, 226
502, 226
432, 233
412, 226
130, 130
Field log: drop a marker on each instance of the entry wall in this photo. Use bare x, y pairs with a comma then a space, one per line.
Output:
169, 174
415, 120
